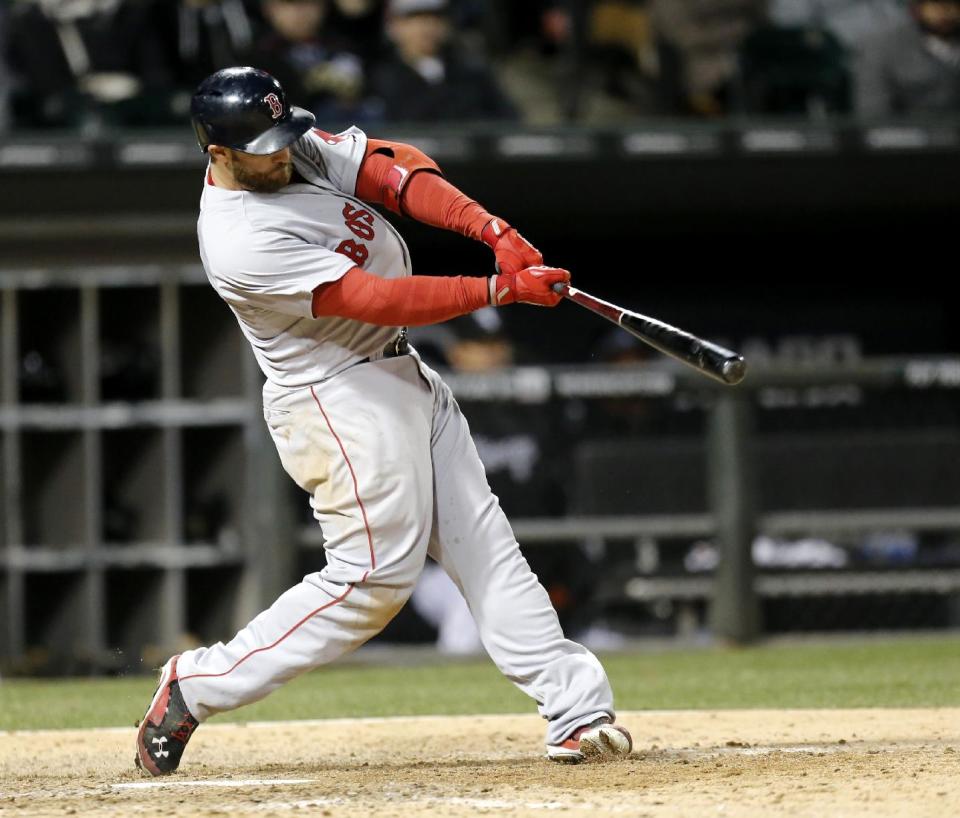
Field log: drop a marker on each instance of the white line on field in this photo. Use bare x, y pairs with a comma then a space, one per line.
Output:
800, 748
229, 782
497, 803
475, 803
292, 805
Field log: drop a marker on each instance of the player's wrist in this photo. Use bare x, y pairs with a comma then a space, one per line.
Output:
503, 289
493, 231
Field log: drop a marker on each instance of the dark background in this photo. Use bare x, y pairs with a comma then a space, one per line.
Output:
731, 244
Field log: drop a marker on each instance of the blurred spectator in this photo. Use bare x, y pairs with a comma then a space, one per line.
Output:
851, 21
359, 23
77, 62
426, 78
201, 36
4, 74
317, 71
794, 70
802, 62
592, 61
542, 23
698, 46
526, 38
620, 42
914, 67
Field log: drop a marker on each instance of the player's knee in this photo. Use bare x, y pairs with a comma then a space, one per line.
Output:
385, 604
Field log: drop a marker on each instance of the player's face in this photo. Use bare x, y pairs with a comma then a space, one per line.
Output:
262, 174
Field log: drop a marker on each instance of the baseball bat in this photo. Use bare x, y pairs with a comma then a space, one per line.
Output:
711, 359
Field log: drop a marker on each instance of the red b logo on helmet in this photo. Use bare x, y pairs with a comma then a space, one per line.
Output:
276, 109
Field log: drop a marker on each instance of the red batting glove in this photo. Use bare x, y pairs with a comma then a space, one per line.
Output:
533, 285
514, 253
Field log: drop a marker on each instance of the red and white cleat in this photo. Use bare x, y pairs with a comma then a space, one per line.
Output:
167, 726
601, 740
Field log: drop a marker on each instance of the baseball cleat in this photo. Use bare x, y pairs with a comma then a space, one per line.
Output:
601, 740
167, 726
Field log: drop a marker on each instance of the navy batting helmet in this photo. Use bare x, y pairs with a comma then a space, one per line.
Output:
246, 109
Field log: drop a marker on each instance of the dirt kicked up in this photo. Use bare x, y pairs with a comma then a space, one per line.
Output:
871, 762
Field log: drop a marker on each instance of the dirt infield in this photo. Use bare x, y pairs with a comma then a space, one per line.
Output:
693, 763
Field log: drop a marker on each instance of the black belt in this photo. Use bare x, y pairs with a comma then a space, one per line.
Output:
394, 349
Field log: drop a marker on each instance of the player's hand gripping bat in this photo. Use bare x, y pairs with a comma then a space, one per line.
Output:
711, 359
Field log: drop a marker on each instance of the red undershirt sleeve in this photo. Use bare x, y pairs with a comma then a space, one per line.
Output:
426, 197
397, 302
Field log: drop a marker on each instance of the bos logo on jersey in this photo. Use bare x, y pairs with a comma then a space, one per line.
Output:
360, 223
276, 108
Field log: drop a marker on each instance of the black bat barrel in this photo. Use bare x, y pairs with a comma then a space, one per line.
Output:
720, 363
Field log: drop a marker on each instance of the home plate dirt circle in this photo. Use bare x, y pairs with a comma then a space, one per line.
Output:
875, 762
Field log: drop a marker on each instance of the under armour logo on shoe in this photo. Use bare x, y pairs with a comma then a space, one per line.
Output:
160, 752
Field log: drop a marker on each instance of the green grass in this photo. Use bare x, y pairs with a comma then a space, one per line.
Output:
901, 672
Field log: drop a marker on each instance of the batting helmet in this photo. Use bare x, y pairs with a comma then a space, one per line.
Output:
246, 109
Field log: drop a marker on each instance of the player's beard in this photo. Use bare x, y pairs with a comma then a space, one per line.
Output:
269, 182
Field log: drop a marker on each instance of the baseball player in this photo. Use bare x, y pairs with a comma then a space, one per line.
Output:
320, 283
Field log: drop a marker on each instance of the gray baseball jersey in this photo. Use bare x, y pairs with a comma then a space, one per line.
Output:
265, 253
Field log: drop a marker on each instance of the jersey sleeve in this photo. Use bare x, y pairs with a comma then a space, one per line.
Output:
278, 272
335, 157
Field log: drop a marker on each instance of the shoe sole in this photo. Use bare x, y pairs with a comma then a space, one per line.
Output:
605, 742
156, 709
